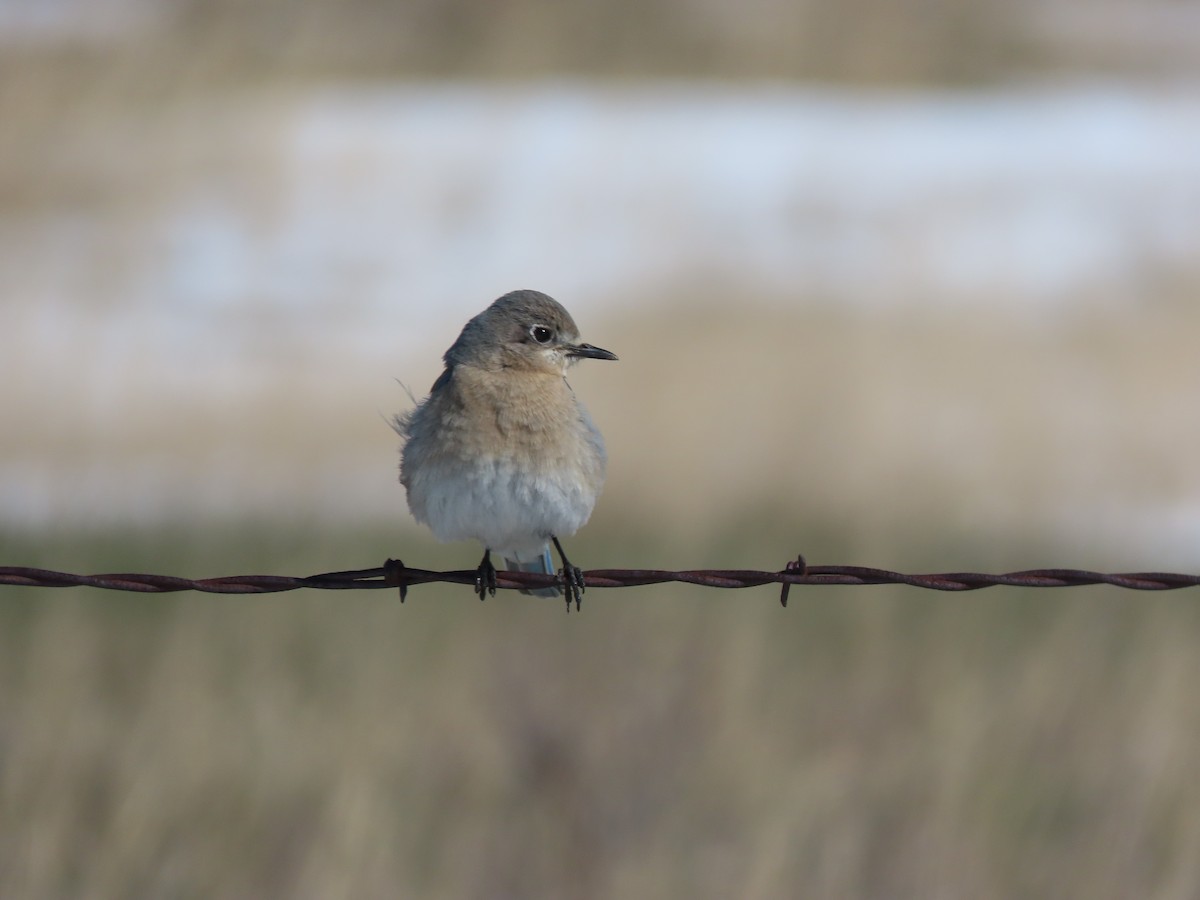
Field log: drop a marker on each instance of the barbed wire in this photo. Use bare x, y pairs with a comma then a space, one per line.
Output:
395, 575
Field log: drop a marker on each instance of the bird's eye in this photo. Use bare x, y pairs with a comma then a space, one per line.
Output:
541, 334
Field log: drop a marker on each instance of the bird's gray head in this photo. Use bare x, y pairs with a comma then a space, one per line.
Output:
523, 330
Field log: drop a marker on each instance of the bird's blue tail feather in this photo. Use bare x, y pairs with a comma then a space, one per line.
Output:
543, 564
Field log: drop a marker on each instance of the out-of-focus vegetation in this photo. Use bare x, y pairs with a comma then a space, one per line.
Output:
667, 741
165, 45
150, 52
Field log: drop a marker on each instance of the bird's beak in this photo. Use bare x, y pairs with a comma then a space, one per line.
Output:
588, 351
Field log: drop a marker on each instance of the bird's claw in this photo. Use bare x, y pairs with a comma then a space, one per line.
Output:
572, 577
485, 577
573, 584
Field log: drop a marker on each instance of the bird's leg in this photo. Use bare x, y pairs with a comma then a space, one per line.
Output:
572, 577
485, 576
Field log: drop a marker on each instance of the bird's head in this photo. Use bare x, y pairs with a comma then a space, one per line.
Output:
522, 331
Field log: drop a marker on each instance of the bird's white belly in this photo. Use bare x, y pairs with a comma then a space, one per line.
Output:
508, 510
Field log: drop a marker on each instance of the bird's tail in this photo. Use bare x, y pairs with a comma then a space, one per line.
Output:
543, 564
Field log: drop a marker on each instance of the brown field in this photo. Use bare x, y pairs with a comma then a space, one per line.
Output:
668, 741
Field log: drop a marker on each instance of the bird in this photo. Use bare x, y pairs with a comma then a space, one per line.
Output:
501, 451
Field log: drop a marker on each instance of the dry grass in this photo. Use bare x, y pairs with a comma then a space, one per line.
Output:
667, 741
902, 431
221, 42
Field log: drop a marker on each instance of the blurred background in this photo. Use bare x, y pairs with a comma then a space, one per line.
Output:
901, 283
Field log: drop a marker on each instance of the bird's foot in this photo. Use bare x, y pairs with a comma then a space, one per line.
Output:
572, 578
485, 577
573, 585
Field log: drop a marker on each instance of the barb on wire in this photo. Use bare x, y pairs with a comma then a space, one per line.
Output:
394, 574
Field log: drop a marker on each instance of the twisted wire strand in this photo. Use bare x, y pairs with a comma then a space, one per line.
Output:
395, 575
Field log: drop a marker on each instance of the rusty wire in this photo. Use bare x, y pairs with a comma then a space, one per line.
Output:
395, 575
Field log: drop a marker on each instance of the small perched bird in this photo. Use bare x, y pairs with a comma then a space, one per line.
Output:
500, 450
